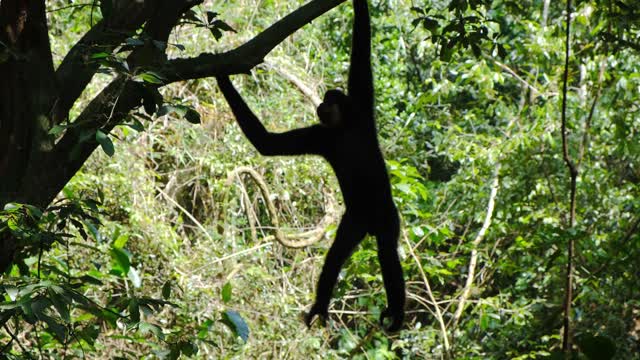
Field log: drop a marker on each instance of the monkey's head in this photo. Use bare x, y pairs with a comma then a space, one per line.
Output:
334, 110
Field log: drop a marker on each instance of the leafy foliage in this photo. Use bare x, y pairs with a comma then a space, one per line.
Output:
173, 260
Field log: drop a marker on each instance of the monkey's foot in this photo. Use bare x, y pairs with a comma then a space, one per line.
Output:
321, 312
396, 318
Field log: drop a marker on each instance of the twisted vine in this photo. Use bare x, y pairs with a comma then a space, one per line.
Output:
297, 240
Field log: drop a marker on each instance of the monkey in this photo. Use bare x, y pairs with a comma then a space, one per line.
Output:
346, 137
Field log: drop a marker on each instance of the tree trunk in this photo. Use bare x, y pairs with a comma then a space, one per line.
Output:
27, 89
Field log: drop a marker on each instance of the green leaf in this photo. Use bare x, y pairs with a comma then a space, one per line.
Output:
134, 41
34, 211
165, 109
57, 130
12, 207
134, 310
223, 26
121, 241
100, 55
166, 290
61, 305
188, 348
204, 328
192, 116
90, 280
152, 77
105, 143
12, 291
211, 16
217, 34
136, 125
236, 323
226, 292
59, 330
122, 263
154, 329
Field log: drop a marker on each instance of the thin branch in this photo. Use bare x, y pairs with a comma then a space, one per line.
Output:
187, 213
311, 94
466, 292
439, 317
573, 173
14, 338
516, 76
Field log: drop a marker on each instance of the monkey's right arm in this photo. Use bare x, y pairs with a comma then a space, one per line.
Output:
360, 87
295, 142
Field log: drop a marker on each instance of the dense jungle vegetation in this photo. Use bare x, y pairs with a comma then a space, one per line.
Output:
509, 166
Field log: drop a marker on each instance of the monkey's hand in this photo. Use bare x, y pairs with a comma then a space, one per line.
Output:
322, 312
396, 317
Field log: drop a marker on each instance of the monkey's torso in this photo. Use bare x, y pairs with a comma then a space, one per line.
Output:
355, 157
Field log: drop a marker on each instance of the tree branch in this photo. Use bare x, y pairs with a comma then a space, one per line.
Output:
573, 174
76, 70
466, 292
250, 54
311, 94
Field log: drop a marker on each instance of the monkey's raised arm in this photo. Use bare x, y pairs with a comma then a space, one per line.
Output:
295, 142
360, 73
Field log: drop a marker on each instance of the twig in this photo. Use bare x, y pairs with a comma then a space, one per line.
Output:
516, 76
195, 221
311, 94
14, 338
439, 317
242, 252
466, 292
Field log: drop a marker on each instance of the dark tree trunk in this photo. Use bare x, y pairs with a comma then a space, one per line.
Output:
27, 90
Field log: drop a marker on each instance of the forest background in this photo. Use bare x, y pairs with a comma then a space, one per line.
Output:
164, 243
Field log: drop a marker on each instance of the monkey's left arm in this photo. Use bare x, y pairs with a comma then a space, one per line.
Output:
295, 142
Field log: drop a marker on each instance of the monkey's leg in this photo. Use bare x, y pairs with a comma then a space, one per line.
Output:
349, 234
387, 240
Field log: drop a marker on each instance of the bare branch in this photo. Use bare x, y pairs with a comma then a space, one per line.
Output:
438, 312
311, 94
466, 292
573, 174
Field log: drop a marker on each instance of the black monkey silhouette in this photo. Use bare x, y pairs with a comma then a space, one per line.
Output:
346, 138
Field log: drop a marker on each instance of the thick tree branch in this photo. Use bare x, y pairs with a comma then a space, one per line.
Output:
76, 70
247, 56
